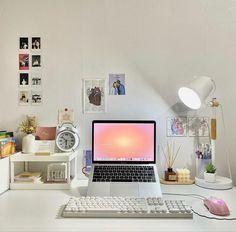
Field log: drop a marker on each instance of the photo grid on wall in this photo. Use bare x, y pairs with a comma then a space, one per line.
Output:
30, 71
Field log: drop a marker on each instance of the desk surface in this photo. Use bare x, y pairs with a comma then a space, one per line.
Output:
37, 210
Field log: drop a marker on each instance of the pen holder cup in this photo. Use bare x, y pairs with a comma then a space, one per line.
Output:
200, 167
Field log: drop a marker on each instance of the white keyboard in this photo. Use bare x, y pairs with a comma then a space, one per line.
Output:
152, 207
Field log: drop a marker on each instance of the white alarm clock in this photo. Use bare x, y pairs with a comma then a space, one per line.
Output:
67, 137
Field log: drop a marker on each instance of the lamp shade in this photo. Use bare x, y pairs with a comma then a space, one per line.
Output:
194, 94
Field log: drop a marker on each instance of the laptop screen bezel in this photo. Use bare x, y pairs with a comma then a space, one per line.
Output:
153, 122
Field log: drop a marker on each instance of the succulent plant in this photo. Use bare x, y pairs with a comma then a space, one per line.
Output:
210, 168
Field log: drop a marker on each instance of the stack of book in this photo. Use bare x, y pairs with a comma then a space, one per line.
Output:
7, 143
32, 177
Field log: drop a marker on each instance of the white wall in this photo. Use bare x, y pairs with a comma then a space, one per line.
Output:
158, 44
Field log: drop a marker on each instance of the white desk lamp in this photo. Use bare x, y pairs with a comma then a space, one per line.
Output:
193, 95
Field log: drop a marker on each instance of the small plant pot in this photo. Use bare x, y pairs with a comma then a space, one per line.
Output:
210, 177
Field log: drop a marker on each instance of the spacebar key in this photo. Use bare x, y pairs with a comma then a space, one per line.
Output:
103, 210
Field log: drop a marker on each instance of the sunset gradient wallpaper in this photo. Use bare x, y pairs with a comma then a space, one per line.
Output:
124, 141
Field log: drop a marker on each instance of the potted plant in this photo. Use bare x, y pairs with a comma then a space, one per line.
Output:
210, 173
28, 126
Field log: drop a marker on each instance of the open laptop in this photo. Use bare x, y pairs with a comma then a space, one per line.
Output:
123, 159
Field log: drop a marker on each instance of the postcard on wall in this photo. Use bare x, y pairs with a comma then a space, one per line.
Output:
36, 98
23, 61
94, 95
24, 98
66, 116
117, 84
23, 43
36, 79
36, 61
198, 126
36, 43
176, 126
24, 80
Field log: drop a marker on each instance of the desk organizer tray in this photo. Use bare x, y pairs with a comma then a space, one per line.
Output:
176, 182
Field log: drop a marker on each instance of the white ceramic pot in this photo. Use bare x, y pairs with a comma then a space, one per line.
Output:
28, 144
210, 177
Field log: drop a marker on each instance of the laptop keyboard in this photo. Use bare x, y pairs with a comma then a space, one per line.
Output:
125, 173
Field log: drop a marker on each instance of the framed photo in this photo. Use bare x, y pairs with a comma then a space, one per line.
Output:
24, 80
198, 126
117, 84
176, 126
36, 79
94, 95
45, 133
36, 43
23, 61
36, 61
36, 98
24, 43
24, 98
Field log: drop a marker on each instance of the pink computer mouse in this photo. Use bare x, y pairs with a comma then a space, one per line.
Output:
216, 206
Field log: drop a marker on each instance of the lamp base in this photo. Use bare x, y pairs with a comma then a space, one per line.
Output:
220, 184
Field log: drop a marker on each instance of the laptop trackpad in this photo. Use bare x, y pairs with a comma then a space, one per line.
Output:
124, 189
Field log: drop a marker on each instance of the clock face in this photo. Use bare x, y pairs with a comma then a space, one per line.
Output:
67, 141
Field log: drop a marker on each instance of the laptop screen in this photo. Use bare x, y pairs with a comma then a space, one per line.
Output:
124, 141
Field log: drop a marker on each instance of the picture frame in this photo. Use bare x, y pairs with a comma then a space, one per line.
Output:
23, 43
24, 80
36, 61
23, 61
176, 126
24, 98
36, 79
198, 127
117, 84
35, 43
36, 98
94, 96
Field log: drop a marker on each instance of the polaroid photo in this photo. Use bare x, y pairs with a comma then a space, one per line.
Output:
36, 79
94, 96
23, 43
23, 61
36, 43
24, 98
24, 80
176, 126
36, 98
36, 61
117, 84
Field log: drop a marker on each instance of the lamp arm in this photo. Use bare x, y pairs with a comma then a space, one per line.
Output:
214, 84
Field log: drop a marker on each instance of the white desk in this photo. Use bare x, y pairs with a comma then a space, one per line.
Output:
36, 210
